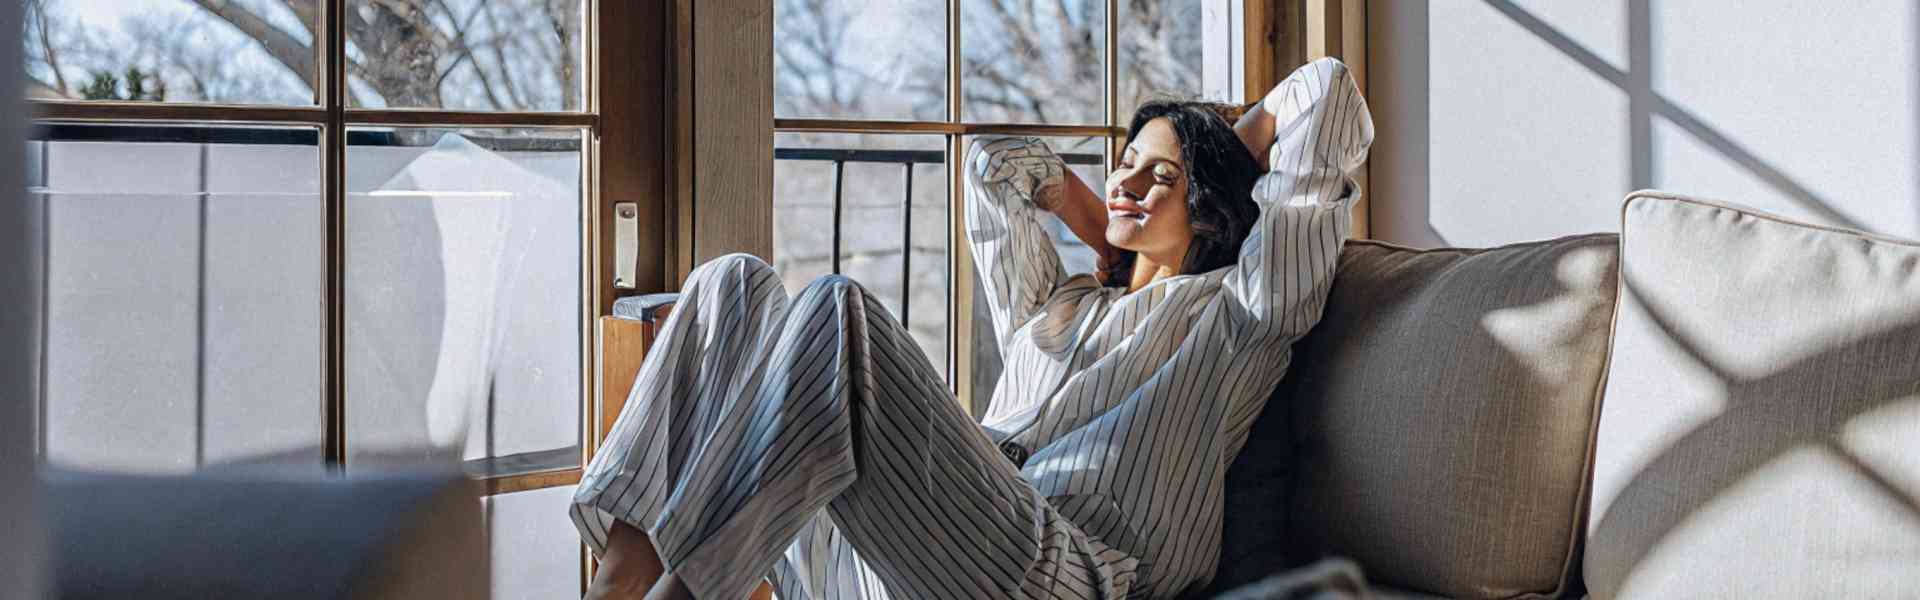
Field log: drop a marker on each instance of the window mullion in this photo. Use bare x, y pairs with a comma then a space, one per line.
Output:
333, 209
1113, 81
959, 255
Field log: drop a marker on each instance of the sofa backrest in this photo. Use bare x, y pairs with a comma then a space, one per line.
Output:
1436, 426
1761, 430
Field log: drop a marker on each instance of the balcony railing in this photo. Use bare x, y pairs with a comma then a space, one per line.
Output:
840, 157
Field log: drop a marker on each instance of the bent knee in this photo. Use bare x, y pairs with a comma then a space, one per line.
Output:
828, 291
738, 266
835, 283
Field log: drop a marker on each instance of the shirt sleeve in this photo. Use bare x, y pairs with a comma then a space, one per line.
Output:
1009, 182
1322, 130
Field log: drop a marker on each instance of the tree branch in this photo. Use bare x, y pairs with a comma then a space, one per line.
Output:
37, 11
282, 46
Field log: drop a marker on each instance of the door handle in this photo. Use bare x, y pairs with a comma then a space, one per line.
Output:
626, 244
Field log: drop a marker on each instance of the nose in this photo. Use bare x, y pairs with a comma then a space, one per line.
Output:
1134, 182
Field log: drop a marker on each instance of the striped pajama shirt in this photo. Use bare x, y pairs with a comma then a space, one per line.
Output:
808, 438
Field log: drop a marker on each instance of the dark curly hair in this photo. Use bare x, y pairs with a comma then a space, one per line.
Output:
1220, 176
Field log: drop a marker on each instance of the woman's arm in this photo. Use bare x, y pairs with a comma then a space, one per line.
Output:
1085, 214
1318, 124
1009, 182
1255, 128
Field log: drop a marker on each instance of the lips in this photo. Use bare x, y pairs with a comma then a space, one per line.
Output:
1125, 206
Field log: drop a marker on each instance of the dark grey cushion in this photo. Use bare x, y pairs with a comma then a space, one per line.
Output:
256, 533
1436, 426
1253, 543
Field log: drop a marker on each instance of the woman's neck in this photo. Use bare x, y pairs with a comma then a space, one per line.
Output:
1148, 269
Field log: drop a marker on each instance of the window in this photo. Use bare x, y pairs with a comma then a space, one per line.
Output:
334, 233
872, 100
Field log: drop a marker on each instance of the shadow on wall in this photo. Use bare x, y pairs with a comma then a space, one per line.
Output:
1644, 102
1664, 143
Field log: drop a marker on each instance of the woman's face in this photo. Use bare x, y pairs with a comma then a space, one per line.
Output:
1147, 196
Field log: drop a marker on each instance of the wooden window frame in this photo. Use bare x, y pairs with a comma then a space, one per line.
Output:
331, 117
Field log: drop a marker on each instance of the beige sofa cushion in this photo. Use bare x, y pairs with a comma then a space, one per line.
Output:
1761, 430
1443, 413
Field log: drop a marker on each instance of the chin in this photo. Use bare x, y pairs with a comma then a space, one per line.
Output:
1123, 236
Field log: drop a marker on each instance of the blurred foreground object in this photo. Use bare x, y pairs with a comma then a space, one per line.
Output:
256, 533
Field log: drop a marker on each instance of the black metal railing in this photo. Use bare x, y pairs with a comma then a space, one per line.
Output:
906, 159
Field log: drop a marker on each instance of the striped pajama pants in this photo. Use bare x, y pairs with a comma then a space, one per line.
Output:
808, 439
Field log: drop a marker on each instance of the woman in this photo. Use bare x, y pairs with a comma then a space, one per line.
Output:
810, 440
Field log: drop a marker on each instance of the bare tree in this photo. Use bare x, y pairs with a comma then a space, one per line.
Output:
1021, 60
463, 54
41, 46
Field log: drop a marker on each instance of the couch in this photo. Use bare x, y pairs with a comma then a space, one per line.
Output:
1715, 403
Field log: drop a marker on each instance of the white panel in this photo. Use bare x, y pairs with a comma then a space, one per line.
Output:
172, 341
121, 349
263, 333
535, 551
123, 168
474, 296
269, 169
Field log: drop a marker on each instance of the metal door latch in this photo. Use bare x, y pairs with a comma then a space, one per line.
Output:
626, 244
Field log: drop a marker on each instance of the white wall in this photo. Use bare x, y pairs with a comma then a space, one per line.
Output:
1508, 120
20, 550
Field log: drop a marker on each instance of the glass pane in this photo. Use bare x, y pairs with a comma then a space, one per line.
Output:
496, 55
898, 251
1162, 56
183, 272
1033, 61
463, 297
171, 50
861, 59
1084, 158
534, 550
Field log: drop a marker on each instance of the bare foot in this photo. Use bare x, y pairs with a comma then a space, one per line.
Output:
670, 588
